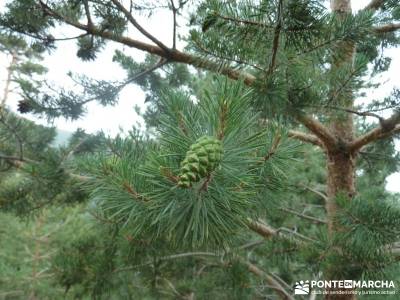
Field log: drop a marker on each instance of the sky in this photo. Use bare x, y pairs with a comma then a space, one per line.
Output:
122, 116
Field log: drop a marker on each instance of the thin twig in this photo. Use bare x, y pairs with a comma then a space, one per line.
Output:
174, 55
298, 214
131, 19
274, 147
322, 195
275, 41
174, 11
87, 11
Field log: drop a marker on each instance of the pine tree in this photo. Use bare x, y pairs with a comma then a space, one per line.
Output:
32, 171
300, 68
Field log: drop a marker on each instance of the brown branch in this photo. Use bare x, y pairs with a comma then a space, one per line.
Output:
387, 128
262, 229
161, 63
133, 192
306, 217
318, 129
87, 11
322, 195
173, 55
356, 112
274, 147
166, 172
275, 41
274, 284
374, 4
133, 21
387, 28
242, 21
304, 137
181, 57
165, 258
174, 11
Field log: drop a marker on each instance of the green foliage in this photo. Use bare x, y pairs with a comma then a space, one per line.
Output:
371, 228
135, 187
88, 48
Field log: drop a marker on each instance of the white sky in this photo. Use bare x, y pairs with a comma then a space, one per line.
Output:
122, 116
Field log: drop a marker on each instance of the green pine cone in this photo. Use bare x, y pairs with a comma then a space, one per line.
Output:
203, 157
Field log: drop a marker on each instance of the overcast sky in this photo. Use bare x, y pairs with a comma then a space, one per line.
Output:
122, 116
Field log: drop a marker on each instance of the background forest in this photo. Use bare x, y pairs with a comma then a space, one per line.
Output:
257, 166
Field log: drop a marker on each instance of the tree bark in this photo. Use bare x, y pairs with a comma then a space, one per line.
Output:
340, 161
8, 80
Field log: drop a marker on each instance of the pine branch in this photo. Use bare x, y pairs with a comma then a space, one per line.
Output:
275, 41
387, 28
174, 11
182, 57
304, 137
87, 12
269, 279
322, 195
387, 128
172, 55
337, 92
368, 113
274, 147
262, 229
219, 56
133, 21
306, 217
268, 232
274, 284
318, 129
130, 189
375, 4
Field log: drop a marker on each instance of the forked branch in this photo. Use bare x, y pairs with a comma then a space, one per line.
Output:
174, 55
318, 129
143, 31
386, 129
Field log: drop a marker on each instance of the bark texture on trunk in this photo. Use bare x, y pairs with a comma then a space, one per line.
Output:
8, 80
340, 181
340, 161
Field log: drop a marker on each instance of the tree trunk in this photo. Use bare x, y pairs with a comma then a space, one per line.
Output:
340, 161
8, 80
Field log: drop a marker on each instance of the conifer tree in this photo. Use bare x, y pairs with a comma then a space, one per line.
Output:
217, 167
32, 171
